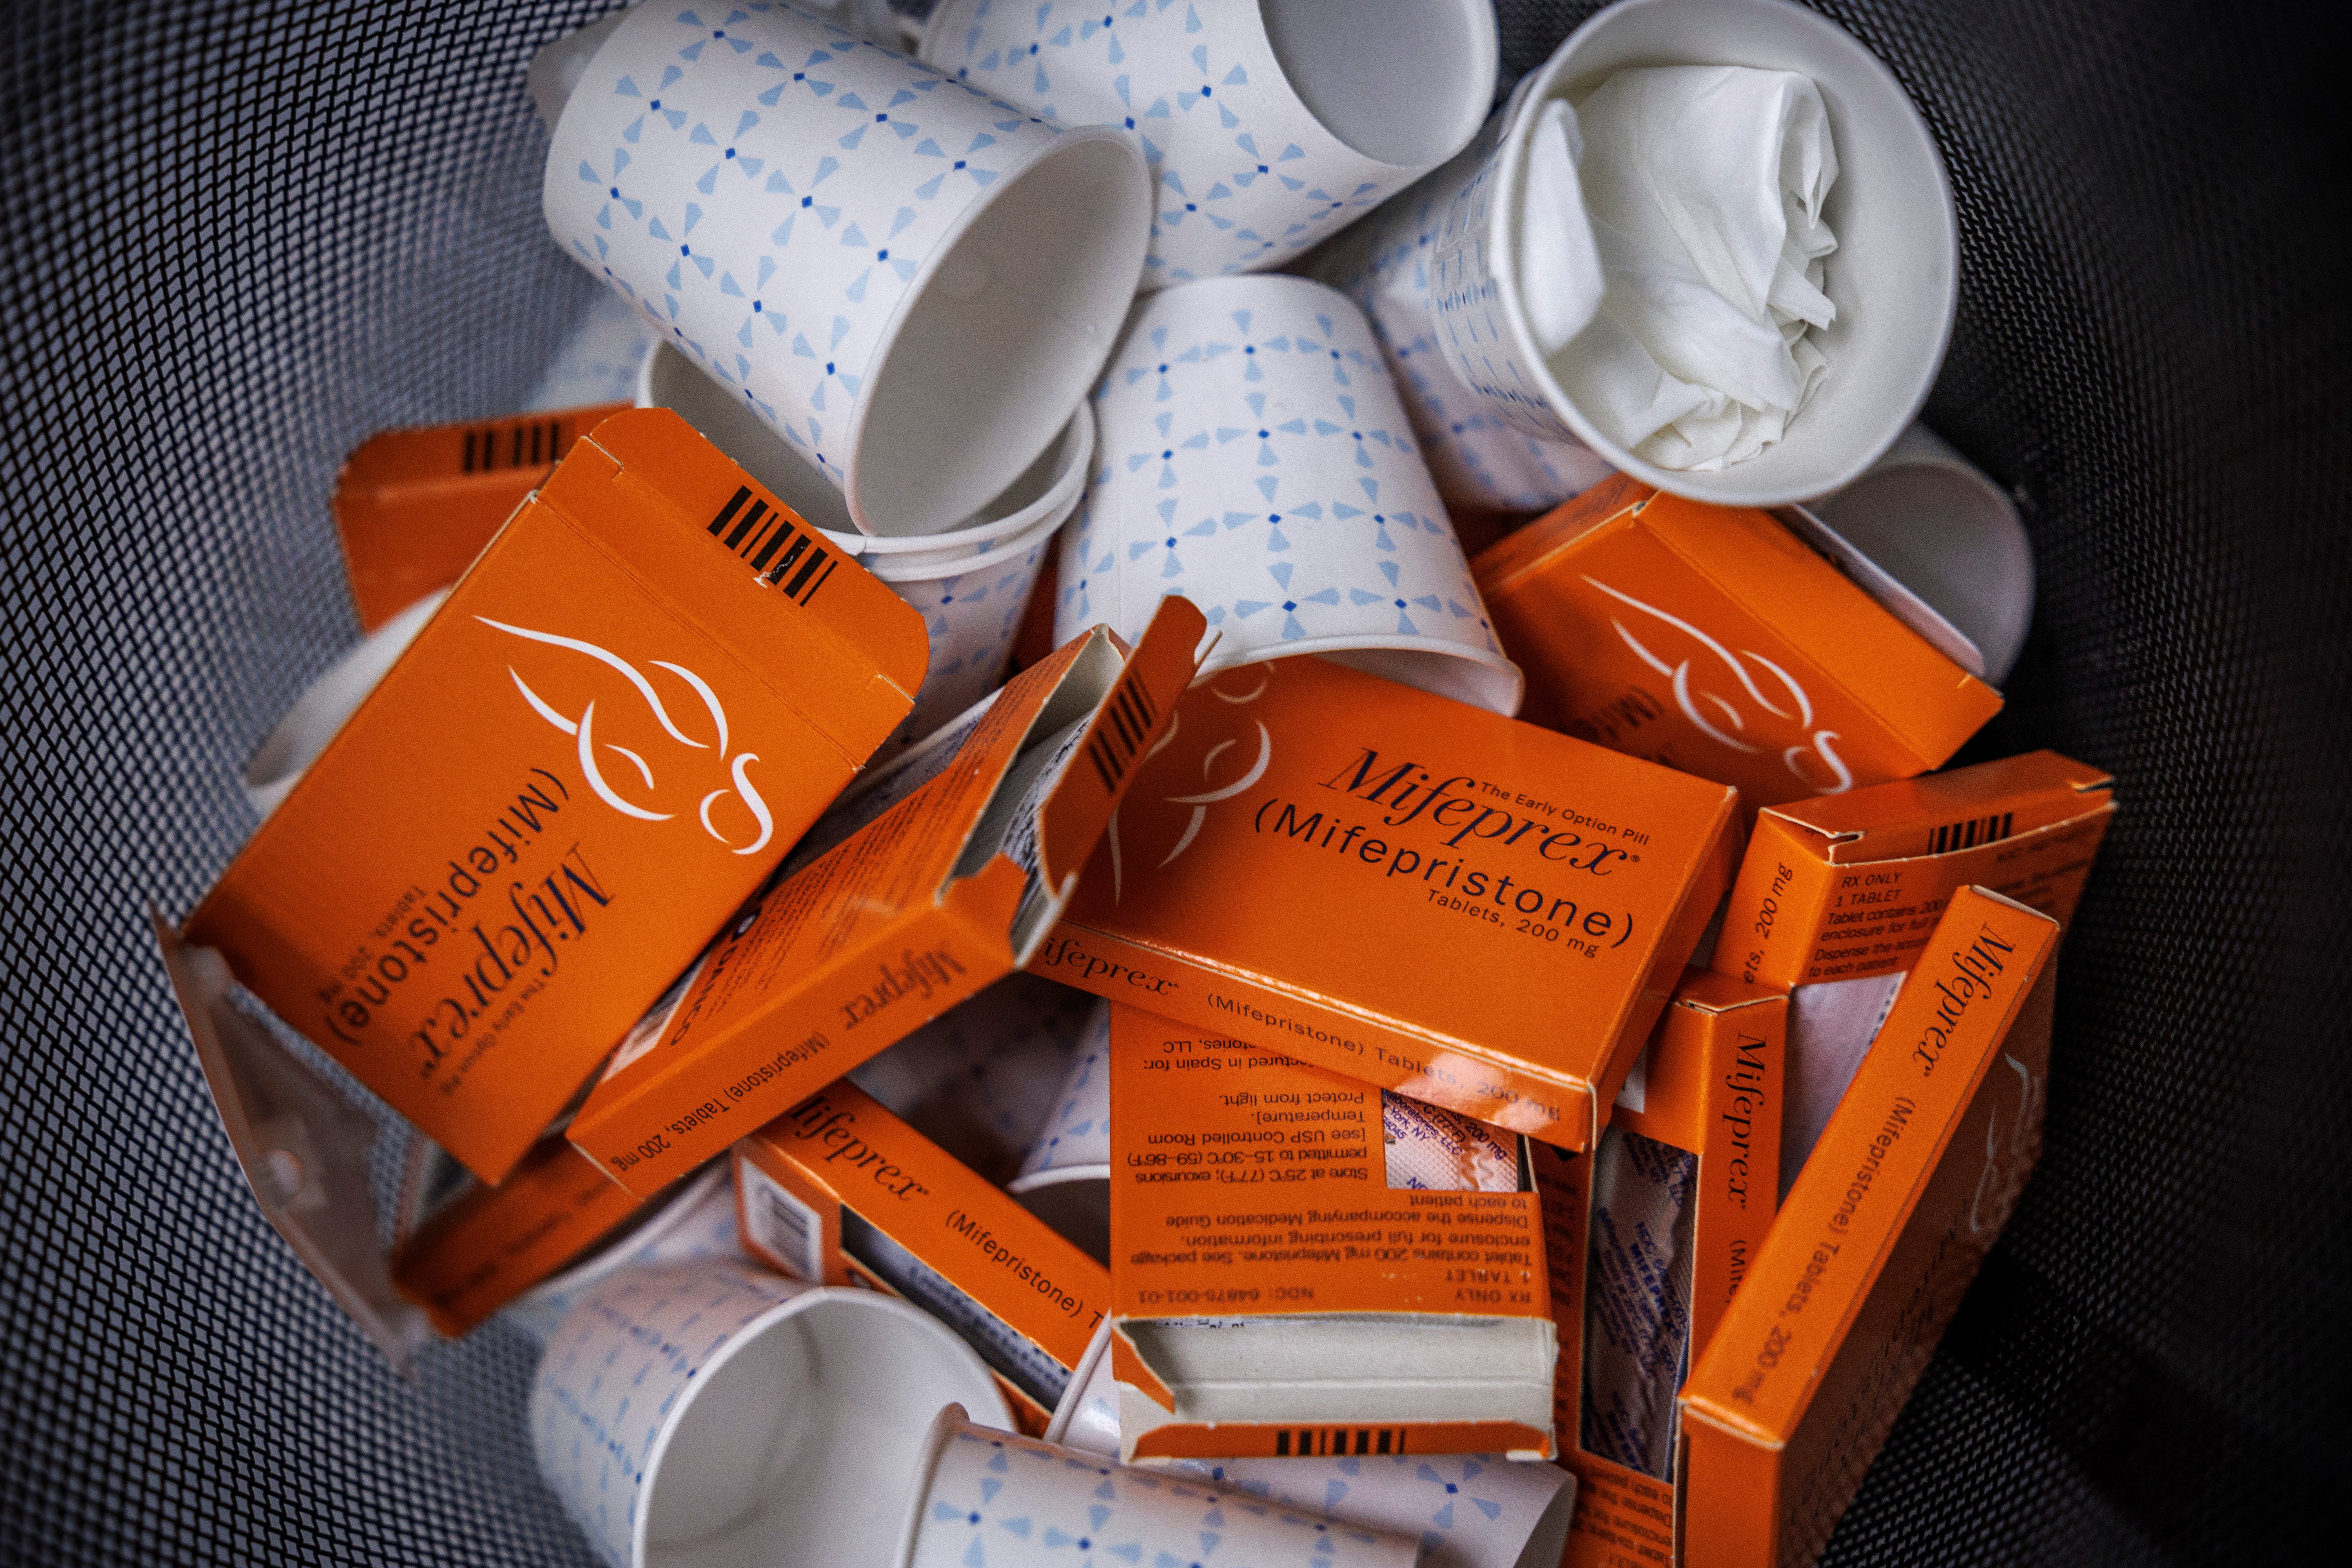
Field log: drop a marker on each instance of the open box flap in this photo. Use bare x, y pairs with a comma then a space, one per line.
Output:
304, 1149
1127, 723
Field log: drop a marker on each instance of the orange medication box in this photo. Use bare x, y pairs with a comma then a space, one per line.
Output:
1850, 886
1906, 1192
840, 1191
593, 753
1649, 1239
948, 891
1473, 911
1713, 640
1276, 1294
1836, 898
415, 507
488, 1246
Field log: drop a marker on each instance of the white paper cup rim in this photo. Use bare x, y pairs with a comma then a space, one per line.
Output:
1054, 1175
930, 568
1074, 456
927, 1460
1482, 666
1902, 131
1485, 39
1081, 1374
1075, 448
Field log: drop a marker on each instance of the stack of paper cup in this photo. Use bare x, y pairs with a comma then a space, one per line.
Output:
986, 1497
1267, 125
1065, 1178
709, 1414
911, 282
1254, 457
1481, 462
696, 1222
1895, 275
971, 582
1468, 1511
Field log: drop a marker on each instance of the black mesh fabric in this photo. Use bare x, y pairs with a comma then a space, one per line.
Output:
240, 238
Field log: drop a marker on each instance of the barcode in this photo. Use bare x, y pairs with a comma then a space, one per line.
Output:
782, 1226
1113, 745
1314, 1442
765, 536
1968, 835
537, 444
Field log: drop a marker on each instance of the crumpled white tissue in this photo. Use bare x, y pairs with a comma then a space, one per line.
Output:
1671, 256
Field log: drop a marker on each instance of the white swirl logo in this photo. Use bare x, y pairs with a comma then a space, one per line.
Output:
1201, 802
1995, 1176
583, 731
1817, 744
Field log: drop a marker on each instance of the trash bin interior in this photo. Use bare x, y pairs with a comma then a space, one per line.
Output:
240, 238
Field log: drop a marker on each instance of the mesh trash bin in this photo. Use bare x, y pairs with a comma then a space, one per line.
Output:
240, 238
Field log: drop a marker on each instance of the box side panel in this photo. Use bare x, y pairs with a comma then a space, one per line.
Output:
1731, 1499
523, 835
1967, 1201
1824, 1255
1851, 921
1779, 900
1244, 1183
1393, 857
1221, 1003
693, 1092
971, 1232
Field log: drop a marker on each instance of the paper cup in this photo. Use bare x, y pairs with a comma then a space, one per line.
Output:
971, 583
1480, 462
327, 704
1468, 1511
1267, 125
1065, 1177
984, 1077
1253, 457
915, 284
1088, 1417
670, 378
709, 1415
1895, 275
972, 611
1076, 1137
699, 1222
1942, 528
987, 1496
